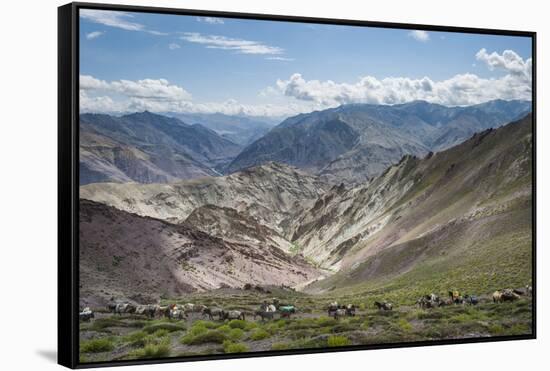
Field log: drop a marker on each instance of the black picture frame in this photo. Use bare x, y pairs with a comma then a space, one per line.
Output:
68, 175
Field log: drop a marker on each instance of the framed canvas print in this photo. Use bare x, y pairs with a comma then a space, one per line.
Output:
240, 185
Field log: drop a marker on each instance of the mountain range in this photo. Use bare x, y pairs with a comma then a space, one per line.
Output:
149, 148
353, 143
239, 129
465, 208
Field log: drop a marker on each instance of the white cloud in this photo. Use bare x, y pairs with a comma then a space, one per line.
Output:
157, 33
91, 83
297, 95
509, 61
284, 59
111, 18
173, 46
98, 104
152, 89
94, 35
461, 89
227, 43
210, 20
124, 96
419, 35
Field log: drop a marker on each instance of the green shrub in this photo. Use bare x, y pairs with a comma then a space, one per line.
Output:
303, 323
237, 323
496, 329
300, 334
404, 325
519, 329
152, 351
272, 328
235, 334
279, 346
259, 334
211, 336
169, 327
161, 333
96, 346
206, 324
224, 328
101, 324
137, 338
250, 325
324, 330
317, 342
197, 330
355, 320
338, 341
230, 347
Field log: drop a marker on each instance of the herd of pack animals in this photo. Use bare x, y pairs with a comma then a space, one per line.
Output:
268, 311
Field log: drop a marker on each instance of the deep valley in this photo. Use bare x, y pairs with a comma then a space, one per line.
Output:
429, 217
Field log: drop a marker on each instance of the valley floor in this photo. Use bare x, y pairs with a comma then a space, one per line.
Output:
119, 337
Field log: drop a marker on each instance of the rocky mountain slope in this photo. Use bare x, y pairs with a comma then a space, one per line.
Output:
235, 226
459, 216
271, 193
470, 204
149, 148
355, 142
124, 255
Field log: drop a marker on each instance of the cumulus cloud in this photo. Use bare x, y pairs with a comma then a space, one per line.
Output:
419, 35
94, 35
509, 61
461, 89
111, 18
210, 20
151, 89
227, 43
98, 104
159, 95
173, 46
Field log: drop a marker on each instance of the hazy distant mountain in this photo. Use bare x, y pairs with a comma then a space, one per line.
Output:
240, 129
355, 142
149, 148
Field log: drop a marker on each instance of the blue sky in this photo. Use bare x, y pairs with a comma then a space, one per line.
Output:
132, 61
